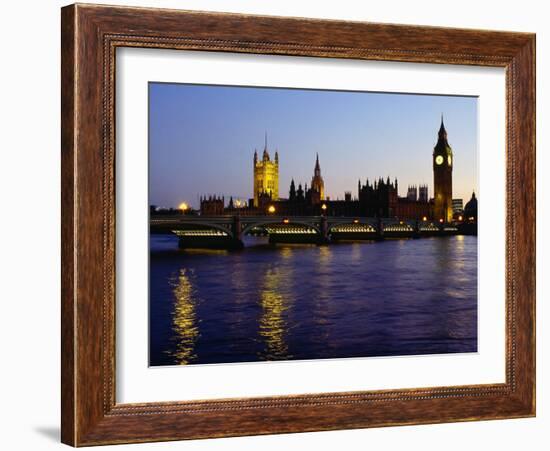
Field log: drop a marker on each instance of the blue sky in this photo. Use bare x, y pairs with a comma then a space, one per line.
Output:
202, 139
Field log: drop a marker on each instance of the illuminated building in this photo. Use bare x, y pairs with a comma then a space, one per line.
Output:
443, 177
458, 206
317, 183
412, 209
377, 199
266, 176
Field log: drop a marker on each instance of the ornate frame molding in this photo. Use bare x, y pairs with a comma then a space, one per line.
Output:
90, 36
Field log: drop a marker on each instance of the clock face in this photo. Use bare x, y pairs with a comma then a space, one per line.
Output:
449, 160
438, 159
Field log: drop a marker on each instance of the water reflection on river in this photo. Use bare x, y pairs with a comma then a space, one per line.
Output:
396, 297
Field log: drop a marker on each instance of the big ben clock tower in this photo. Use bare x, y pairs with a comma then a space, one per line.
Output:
443, 177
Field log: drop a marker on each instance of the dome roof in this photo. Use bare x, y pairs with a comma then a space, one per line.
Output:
470, 209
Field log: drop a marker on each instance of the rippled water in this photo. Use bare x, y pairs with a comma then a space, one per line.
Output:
396, 297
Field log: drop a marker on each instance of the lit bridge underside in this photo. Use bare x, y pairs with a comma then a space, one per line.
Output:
227, 231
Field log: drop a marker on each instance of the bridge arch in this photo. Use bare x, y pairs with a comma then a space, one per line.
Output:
350, 224
203, 225
248, 227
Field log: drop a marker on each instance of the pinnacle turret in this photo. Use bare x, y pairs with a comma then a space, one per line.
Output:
442, 132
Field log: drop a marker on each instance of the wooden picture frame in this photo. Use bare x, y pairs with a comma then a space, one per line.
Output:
90, 36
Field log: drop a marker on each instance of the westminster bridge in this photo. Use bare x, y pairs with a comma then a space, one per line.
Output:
227, 231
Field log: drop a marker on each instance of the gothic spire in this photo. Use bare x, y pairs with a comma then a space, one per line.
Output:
265, 155
317, 170
442, 147
442, 131
292, 192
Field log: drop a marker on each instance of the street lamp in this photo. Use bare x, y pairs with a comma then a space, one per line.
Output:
271, 209
324, 208
183, 207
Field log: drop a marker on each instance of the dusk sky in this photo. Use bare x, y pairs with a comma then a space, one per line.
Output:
202, 139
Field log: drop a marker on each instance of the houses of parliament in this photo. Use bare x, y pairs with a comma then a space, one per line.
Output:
377, 198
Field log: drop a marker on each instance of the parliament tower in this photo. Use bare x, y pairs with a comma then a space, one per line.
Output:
317, 182
443, 177
266, 175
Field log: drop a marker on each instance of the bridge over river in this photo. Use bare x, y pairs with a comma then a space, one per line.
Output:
227, 231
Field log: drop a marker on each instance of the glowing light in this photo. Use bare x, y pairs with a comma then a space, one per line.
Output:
183, 206
441, 220
460, 218
348, 228
424, 218
398, 228
286, 221
356, 221
271, 209
273, 326
199, 233
324, 206
184, 319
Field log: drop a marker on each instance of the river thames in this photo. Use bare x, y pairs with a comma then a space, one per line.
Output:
362, 299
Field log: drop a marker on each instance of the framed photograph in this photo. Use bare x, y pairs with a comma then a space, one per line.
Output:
279, 225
